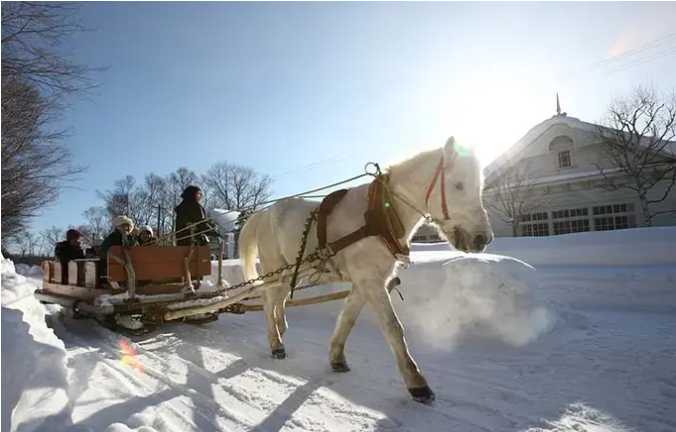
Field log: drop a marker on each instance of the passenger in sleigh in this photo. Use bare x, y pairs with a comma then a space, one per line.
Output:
121, 236
68, 250
146, 237
190, 215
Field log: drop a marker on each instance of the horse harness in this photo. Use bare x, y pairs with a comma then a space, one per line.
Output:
380, 219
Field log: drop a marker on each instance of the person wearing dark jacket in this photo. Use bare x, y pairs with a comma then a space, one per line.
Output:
68, 250
121, 236
189, 213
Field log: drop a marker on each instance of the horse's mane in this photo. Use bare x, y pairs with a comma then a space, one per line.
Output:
413, 161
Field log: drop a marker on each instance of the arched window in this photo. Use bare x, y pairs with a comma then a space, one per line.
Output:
563, 146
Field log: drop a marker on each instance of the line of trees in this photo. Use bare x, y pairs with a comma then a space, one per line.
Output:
152, 202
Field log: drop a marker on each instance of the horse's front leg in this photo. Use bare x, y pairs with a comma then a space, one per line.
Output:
379, 301
346, 320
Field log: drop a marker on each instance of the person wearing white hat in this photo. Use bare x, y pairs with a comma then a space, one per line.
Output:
121, 236
145, 236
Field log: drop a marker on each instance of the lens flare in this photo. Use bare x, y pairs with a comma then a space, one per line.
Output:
128, 355
462, 150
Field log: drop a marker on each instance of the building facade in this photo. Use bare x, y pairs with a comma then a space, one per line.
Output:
562, 156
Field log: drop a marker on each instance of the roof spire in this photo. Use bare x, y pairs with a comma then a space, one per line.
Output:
558, 105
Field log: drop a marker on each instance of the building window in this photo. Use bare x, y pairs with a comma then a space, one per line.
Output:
564, 159
570, 226
576, 220
577, 212
613, 217
532, 225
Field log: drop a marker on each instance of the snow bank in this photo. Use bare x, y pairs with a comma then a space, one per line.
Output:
472, 296
34, 374
632, 247
27, 270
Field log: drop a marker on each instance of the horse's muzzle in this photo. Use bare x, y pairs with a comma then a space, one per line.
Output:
464, 241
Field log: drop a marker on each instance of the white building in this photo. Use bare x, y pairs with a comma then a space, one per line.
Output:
561, 155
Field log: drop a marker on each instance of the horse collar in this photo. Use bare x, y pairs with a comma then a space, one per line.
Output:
440, 172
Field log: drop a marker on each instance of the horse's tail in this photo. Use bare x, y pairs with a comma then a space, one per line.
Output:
248, 246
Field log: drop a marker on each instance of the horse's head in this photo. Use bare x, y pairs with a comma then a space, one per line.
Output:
454, 199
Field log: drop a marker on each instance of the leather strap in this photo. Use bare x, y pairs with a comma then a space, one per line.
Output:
381, 220
325, 208
439, 173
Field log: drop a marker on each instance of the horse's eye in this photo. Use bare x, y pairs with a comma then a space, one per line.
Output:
459, 186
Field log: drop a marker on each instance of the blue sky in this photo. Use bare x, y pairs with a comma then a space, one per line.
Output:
309, 92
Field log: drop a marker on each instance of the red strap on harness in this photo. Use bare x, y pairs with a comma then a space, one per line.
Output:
438, 173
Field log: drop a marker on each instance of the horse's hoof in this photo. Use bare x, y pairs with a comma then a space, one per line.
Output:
340, 367
423, 394
279, 353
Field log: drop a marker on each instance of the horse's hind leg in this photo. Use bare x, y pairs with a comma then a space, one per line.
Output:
275, 316
346, 320
281, 292
274, 338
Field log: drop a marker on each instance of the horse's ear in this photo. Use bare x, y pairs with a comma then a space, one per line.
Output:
449, 148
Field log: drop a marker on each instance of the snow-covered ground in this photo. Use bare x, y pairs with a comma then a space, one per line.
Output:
582, 339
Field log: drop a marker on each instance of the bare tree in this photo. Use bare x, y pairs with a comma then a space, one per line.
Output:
35, 165
30, 33
35, 82
235, 187
98, 222
49, 238
28, 243
513, 194
638, 149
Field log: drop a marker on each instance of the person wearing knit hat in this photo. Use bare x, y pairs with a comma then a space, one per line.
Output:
121, 236
145, 236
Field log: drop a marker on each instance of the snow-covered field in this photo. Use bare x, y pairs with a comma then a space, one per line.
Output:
582, 339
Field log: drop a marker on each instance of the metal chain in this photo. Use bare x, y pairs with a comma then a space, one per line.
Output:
301, 249
318, 255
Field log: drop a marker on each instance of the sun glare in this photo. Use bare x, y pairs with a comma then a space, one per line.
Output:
490, 113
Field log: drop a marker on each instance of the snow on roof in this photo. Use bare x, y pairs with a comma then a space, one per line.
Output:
538, 130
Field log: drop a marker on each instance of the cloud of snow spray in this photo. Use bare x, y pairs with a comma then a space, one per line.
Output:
475, 296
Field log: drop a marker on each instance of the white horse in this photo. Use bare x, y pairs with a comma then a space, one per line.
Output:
442, 183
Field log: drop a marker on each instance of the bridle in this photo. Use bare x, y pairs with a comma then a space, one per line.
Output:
440, 172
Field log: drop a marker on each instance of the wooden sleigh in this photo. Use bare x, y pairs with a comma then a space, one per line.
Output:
147, 282
155, 284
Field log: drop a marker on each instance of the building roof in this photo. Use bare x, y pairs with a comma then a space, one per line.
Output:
538, 130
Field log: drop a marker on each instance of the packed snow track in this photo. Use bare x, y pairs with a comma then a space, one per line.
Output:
505, 346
